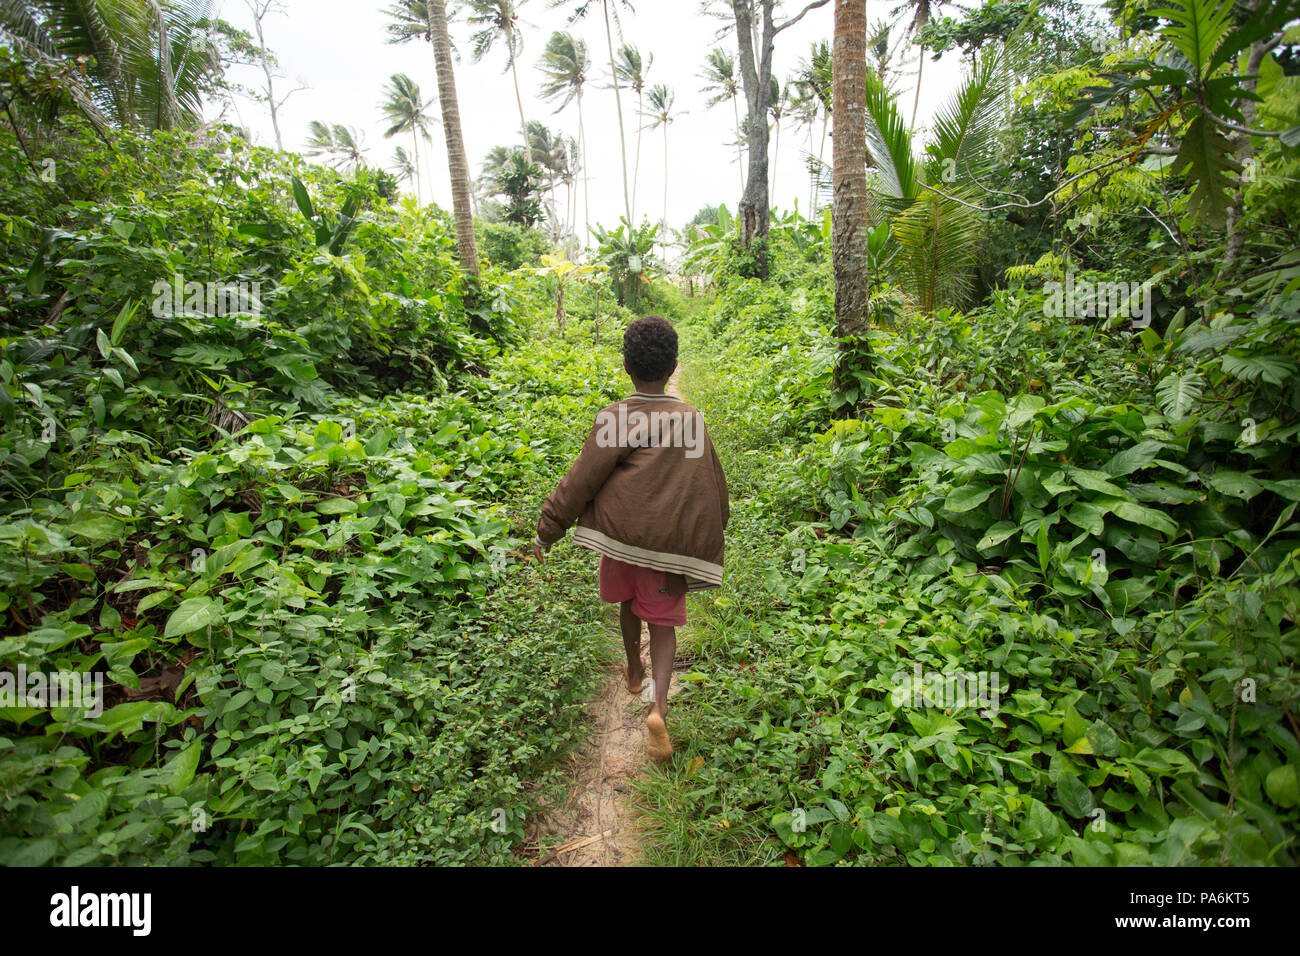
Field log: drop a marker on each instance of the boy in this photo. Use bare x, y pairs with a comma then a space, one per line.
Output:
649, 495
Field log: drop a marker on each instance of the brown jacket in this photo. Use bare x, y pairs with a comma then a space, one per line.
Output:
647, 489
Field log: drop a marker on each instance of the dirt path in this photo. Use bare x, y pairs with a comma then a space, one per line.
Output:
595, 825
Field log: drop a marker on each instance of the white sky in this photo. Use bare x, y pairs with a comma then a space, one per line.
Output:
338, 49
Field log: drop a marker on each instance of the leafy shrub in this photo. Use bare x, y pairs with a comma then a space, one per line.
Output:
509, 246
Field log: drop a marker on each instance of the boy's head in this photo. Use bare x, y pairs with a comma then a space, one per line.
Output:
650, 349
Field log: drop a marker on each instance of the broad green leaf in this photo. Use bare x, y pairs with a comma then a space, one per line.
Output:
194, 614
967, 497
1131, 459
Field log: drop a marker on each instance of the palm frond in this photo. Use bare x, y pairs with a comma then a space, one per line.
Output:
889, 143
966, 128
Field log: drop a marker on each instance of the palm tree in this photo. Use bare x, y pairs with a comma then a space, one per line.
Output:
320, 139
565, 64
549, 151
572, 166
632, 69
815, 80
778, 105
922, 12
721, 84
881, 53
402, 166
850, 222
581, 9
141, 64
805, 108
498, 18
661, 114
405, 108
343, 144
427, 19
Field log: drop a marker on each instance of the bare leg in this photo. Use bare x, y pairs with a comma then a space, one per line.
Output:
630, 625
663, 645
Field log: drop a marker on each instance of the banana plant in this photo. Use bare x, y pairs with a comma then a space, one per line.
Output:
564, 271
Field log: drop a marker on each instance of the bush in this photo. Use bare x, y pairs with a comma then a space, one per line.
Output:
509, 246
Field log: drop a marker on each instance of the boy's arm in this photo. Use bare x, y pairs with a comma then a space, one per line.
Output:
585, 477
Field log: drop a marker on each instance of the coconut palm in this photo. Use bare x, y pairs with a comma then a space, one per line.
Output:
141, 64
882, 54
402, 166
565, 65
427, 19
661, 114
572, 166
581, 9
343, 144
850, 223
805, 110
814, 78
498, 19
921, 13
722, 84
406, 109
550, 152
632, 69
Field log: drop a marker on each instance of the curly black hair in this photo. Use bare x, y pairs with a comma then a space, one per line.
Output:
650, 348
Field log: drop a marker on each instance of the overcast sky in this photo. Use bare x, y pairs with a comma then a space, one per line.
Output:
338, 50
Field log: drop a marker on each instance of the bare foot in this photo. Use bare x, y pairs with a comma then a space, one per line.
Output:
659, 747
635, 681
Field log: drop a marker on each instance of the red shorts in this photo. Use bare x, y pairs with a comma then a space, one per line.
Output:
621, 582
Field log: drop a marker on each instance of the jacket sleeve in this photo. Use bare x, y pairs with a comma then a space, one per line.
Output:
722, 485
577, 488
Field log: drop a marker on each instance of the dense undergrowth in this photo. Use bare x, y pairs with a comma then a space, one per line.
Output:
1014, 498
281, 533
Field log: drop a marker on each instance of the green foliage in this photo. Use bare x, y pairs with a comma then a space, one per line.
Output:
280, 529
509, 246
519, 183
628, 254
1100, 519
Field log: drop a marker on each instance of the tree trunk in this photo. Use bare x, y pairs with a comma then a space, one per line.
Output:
519, 100
415, 142
916, 100
1245, 151
586, 184
776, 158
664, 242
640, 126
456, 162
849, 156
618, 103
756, 77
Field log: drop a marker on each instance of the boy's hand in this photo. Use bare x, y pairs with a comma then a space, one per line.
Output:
539, 550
